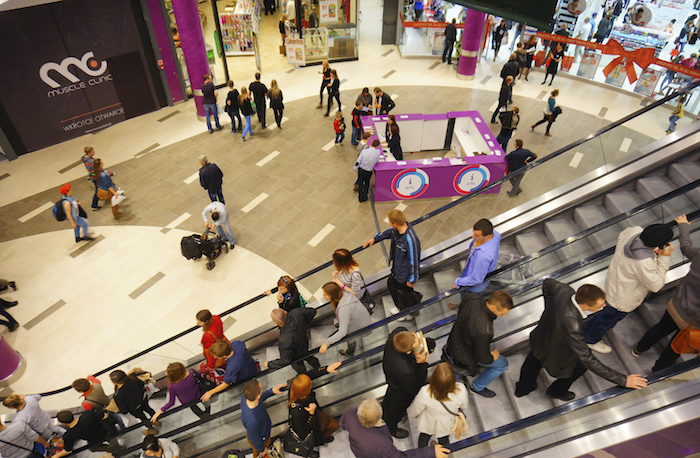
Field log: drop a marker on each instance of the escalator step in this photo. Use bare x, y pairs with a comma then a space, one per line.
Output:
592, 215
559, 229
530, 242
652, 187
622, 201
682, 173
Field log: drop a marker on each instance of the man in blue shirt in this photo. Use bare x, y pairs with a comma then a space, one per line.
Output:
482, 257
254, 416
517, 159
364, 167
239, 364
405, 261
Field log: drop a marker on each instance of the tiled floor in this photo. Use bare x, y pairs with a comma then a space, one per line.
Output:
307, 188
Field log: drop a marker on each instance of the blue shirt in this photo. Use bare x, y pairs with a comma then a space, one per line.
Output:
481, 261
518, 157
367, 159
240, 365
256, 421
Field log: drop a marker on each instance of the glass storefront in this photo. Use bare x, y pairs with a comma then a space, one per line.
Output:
422, 26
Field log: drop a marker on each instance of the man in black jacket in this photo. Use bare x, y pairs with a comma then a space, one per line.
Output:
503, 97
558, 343
405, 366
383, 102
450, 38
469, 344
259, 91
91, 426
293, 342
211, 178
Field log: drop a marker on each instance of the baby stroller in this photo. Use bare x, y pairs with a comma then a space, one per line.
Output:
207, 244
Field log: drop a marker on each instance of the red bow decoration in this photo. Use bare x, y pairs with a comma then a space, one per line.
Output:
642, 57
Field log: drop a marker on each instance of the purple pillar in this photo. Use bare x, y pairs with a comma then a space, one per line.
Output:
9, 359
192, 39
471, 43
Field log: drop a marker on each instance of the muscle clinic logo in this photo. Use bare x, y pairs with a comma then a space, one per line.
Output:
87, 64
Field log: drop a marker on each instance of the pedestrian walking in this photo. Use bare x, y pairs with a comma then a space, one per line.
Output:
504, 96
517, 159
549, 112
676, 115
339, 128
260, 95
530, 47
210, 108
497, 36
232, 108
246, 110
211, 178
276, 102
333, 92
71, 207
509, 123
88, 161
450, 38
325, 81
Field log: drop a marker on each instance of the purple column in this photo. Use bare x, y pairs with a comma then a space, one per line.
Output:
9, 359
162, 33
471, 42
192, 39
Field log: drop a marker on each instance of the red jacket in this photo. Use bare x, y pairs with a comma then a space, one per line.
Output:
336, 126
211, 335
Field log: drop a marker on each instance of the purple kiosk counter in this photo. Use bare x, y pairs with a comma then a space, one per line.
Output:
474, 160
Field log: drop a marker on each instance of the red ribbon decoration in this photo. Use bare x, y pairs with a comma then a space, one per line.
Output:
642, 57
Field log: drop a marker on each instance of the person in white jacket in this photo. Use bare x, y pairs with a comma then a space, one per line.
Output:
639, 266
437, 405
154, 447
219, 216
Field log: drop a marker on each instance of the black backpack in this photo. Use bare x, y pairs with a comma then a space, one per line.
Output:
233, 454
190, 247
58, 211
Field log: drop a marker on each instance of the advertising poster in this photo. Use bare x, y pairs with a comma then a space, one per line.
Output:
647, 82
83, 72
329, 11
589, 63
618, 76
295, 52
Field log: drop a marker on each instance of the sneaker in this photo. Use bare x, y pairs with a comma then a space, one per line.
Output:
485, 392
400, 433
88, 238
566, 396
219, 128
394, 311
600, 347
636, 352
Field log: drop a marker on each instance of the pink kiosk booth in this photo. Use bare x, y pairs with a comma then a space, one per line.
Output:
478, 159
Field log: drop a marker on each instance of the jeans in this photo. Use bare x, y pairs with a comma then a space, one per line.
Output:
531, 369
394, 405
233, 117
489, 374
95, 200
363, 177
80, 222
116, 417
601, 322
663, 328
223, 228
355, 135
672, 125
339, 137
210, 109
247, 126
10, 319
217, 195
278, 116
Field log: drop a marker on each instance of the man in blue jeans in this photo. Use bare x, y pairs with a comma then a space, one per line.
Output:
210, 93
468, 346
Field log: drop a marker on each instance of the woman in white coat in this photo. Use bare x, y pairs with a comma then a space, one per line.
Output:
437, 406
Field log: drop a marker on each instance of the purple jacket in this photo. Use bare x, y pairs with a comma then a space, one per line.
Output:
376, 442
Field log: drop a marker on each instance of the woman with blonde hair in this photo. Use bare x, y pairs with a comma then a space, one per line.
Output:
275, 95
182, 386
326, 72
350, 313
438, 407
246, 110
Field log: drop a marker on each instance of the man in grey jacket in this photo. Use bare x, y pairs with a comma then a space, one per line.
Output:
559, 345
635, 270
293, 342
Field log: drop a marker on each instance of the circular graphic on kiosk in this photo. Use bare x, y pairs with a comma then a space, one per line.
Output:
471, 178
409, 183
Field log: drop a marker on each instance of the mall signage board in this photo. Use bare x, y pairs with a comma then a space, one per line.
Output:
77, 67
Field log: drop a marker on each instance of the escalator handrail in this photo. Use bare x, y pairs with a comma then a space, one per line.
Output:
419, 220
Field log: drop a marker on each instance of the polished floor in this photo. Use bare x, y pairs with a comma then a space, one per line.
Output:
289, 194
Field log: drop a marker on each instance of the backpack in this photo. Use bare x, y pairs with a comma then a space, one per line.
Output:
190, 247
59, 212
342, 124
233, 454
107, 420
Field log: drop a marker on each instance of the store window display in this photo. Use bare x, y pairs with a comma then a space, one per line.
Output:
427, 38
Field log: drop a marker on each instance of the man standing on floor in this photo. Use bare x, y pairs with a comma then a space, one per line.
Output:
558, 343
405, 261
469, 343
293, 342
635, 270
211, 178
509, 123
259, 91
504, 96
88, 159
364, 167
383, 103
482, 257
209, 102
450, 38
405, 366
219, 216
517, 159
71, 207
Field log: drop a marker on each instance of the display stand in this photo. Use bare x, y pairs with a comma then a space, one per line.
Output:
238, 27
633, 37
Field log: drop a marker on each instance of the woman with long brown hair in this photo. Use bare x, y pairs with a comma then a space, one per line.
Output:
288, 296
182, 385
105, 185
246, 110
276, 102
348, 276
438, 405
213, 330
350, 313
306, 417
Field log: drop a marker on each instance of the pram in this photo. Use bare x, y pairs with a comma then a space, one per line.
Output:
193, 247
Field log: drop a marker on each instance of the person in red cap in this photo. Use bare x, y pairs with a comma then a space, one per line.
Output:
70, 206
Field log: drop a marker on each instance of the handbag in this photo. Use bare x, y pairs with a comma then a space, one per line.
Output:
460, 427
81, 212
277, 449
103, 194
203, 384
296, 445
687, 340
366, 297
253, 107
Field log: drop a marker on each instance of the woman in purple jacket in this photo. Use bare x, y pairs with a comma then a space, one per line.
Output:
182, 385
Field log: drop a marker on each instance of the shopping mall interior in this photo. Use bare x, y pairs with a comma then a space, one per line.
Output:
128, 298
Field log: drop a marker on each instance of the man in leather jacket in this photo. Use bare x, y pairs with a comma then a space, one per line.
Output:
293, 342
558, 343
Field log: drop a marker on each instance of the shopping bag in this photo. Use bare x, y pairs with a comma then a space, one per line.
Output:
566, 63
539, 58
